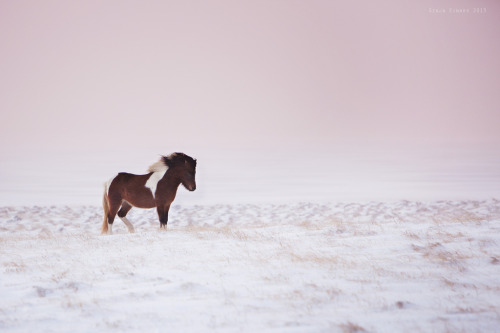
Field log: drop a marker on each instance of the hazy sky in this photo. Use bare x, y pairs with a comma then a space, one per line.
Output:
93, 74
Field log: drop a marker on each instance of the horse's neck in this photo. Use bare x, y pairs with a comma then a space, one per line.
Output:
171, 182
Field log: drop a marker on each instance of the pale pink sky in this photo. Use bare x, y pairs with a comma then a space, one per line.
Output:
83, 74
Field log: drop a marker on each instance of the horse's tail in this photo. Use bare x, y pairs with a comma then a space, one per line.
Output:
105, 205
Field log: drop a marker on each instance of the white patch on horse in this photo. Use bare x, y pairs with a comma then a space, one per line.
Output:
128, 224
158, 171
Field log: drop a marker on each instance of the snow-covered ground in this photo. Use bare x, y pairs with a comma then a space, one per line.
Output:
291, 241
404, 266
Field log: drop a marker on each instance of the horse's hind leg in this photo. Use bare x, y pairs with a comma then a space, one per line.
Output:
114, 205
123, 212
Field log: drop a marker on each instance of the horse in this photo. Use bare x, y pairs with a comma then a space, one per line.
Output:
157, 189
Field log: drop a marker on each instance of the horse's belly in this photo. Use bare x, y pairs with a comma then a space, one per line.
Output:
141, 199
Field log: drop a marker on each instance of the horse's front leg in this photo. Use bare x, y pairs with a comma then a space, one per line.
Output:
163, 215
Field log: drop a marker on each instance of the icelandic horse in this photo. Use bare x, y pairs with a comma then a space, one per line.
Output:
157, 189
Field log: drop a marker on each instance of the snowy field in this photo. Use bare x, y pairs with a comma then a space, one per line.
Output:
404, 266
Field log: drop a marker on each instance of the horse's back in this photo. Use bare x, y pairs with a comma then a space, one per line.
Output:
132, 177
131, 188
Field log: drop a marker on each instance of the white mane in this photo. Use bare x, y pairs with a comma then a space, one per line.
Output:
158, 169
158, 166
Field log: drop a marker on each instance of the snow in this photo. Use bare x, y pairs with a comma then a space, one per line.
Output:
293, 267
309, 241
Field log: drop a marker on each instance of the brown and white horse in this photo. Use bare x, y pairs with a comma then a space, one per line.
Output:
157, 189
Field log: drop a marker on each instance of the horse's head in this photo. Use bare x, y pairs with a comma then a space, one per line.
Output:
188, 174
184, 167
